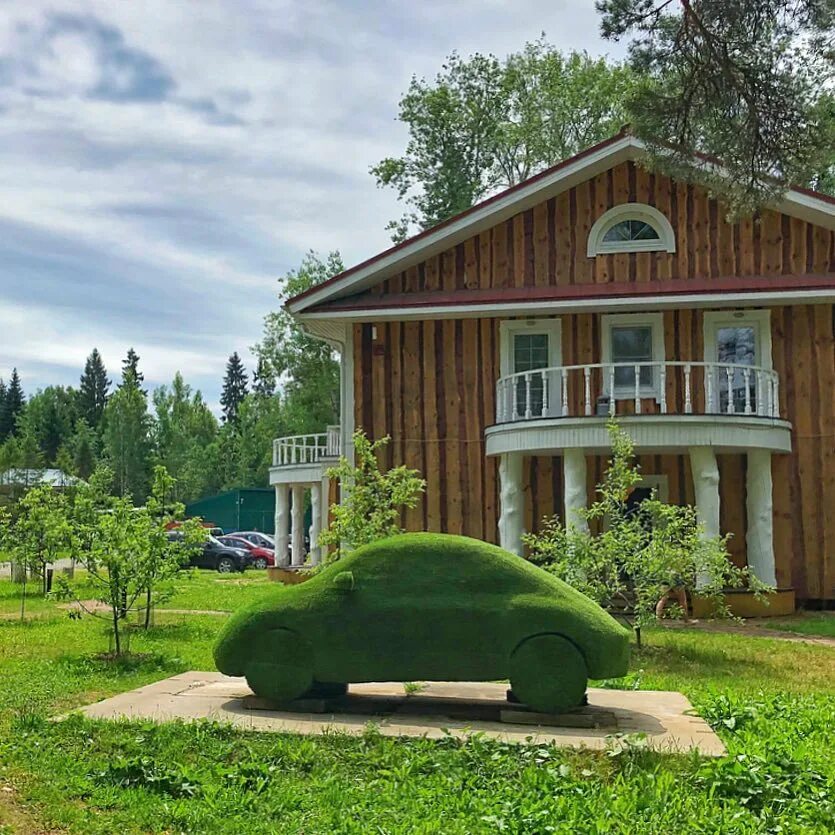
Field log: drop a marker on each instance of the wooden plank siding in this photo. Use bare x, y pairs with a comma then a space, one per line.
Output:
431, 386
546, 245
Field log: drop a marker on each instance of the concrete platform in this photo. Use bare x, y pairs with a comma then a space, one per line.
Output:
441, 708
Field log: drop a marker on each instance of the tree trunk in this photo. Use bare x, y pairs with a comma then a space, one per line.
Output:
148, 607
117, 644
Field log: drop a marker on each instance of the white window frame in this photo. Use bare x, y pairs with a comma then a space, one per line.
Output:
550, 326
715, 319
508, 330
631, 211
655, 321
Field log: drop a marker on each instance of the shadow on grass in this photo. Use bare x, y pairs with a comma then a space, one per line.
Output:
717, 662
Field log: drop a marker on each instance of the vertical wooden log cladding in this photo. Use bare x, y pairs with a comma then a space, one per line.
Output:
472, 430
824, 363
412, 388
430, 406
732, 504
546, 245
450, 370
541, 245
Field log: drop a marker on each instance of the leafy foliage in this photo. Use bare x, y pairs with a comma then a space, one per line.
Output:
126, 439
630, 557
124, 549
37, 534
375, 499
306, 367
485, 124
739, 79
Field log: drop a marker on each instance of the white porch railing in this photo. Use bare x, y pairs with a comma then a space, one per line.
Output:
307, 449
683, 388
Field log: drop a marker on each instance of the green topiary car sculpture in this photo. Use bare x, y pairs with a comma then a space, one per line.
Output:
426, 607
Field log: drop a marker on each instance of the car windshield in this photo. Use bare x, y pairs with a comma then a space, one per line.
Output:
215, 541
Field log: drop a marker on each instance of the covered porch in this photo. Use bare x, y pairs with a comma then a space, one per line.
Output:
299, 476
698, 411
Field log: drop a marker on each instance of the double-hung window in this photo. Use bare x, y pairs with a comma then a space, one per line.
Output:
633, 350
530, 351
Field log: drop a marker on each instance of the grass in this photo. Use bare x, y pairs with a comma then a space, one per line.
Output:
772, 702
804, 623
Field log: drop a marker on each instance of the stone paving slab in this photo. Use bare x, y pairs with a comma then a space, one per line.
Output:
438, 710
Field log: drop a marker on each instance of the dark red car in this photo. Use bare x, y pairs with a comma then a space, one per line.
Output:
259, 557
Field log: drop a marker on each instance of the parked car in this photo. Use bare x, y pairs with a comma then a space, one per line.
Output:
426, 607
262, 540
259, 557
217, 555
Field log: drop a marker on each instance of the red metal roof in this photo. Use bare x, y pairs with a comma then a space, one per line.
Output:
578, 292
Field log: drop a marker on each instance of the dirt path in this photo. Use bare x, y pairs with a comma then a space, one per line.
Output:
752, 631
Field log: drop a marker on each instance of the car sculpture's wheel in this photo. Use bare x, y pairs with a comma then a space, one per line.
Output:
225, 565
279, 665
548, 673
260, 562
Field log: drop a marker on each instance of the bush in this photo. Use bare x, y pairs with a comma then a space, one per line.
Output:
629, 559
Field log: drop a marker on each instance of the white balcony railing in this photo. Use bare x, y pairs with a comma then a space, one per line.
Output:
307, 449
682, 388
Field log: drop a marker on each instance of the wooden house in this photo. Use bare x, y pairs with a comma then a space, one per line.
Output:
494, 347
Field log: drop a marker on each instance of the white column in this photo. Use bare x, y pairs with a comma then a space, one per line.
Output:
512, 499
576, 491
706, 486
297, 542
282, 524
759, 537
315, 520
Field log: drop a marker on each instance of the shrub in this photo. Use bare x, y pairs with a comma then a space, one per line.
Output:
374, 500
630, 559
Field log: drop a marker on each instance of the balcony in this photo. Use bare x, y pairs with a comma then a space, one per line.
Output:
296, 450
666, 406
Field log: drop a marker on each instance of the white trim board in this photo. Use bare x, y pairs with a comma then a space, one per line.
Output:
614, 304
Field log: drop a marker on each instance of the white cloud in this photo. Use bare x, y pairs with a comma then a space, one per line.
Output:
189, 152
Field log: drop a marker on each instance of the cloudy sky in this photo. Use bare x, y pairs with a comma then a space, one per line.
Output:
163, 161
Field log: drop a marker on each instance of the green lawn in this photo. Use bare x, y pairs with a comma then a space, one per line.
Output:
772, 702
804, 623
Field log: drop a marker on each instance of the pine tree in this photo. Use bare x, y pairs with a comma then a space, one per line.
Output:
131, 375
234, 388
2, 394
13, 403
92, 393
263, 379
83, 449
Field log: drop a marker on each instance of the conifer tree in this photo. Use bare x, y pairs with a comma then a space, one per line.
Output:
13, 403
94, 388
234, 388
131, 375
263, 379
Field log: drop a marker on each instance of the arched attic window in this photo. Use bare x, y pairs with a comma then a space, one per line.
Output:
631, 227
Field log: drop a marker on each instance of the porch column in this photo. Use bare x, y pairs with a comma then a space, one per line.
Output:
576, 492
706, 487
512, 499
759, 536
297, 544
282, 524
315, 520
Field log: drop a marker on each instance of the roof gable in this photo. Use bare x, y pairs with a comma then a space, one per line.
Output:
801, 203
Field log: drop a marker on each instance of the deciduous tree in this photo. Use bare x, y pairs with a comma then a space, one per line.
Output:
484, 124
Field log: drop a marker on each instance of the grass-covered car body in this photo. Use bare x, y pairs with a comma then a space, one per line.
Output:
426, 607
